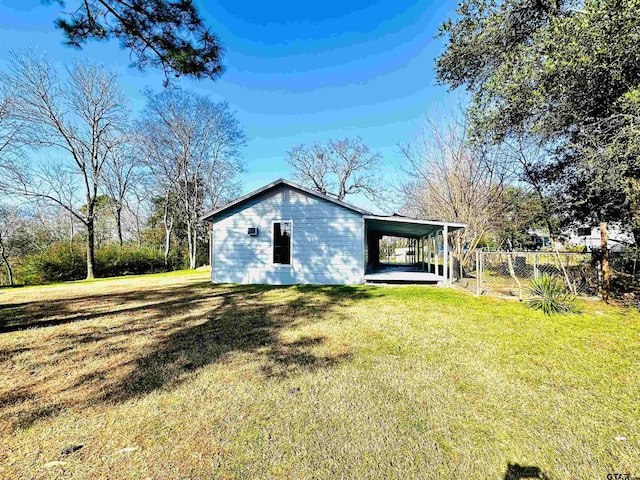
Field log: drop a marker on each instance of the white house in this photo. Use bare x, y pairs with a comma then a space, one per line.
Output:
589, 238
285, 234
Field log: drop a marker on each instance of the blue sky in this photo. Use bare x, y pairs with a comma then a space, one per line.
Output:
297, 72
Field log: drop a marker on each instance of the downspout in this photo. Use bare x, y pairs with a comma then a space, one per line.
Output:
211, 250
365, 250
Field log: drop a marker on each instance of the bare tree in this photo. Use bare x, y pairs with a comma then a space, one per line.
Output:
10, 221
9, 126
193, 148
139, 206
79, 120
448, 178
166, 199
339, 168
122, 174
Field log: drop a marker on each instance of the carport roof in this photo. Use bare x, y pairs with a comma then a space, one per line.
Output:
399, 226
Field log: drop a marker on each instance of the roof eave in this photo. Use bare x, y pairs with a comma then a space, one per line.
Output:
281, 181
455, 225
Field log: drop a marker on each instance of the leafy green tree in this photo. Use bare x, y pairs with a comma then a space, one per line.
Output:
522, 213
566, 73
169, 34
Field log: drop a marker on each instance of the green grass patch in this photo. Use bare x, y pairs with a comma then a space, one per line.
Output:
203, 381
159, 275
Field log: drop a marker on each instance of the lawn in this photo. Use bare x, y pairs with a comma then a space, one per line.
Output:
172, 377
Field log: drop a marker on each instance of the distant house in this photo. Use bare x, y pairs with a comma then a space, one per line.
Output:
538, 240
285, 234
589, 238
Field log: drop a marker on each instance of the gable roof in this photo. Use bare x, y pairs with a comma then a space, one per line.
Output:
281, 181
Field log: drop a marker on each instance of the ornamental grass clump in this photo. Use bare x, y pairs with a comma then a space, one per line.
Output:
550, 295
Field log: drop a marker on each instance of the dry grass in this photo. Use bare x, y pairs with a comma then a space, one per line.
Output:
202, 381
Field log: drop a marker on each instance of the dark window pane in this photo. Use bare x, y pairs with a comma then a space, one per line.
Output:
282, 243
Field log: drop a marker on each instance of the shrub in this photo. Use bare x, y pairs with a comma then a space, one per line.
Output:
114, 260
178, 259
549, 295
61, 261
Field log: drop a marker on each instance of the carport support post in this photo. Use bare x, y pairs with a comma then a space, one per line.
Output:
426, 253
436, 259
434, 253
445, 254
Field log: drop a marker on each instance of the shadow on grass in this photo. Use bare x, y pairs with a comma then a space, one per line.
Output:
144, 340
520, 472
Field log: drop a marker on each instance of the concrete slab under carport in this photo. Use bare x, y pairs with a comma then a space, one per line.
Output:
402, 273
425, 237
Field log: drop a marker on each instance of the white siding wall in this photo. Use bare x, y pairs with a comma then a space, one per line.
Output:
326, 248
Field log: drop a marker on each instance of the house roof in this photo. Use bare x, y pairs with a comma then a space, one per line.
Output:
392, 225
281, 181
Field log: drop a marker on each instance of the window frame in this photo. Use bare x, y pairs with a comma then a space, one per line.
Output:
273, 231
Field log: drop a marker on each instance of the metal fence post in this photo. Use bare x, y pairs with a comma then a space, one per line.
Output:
535, 265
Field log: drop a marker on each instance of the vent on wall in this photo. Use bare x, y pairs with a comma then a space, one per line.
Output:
253, 231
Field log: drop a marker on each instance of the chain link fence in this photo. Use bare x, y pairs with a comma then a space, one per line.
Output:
509, 273
625, 277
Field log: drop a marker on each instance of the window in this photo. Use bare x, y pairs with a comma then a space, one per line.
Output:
282, 243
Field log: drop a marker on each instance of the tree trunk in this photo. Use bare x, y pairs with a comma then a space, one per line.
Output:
636, 237
9, 273
71, 232
167, 243
138, 231
513, 275
5, 260
168, 226
90, 247
192, 237
567, 280
119, 222
512, 271
554, 248
604, 262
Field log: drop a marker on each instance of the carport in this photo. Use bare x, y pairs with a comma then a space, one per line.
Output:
428, 256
